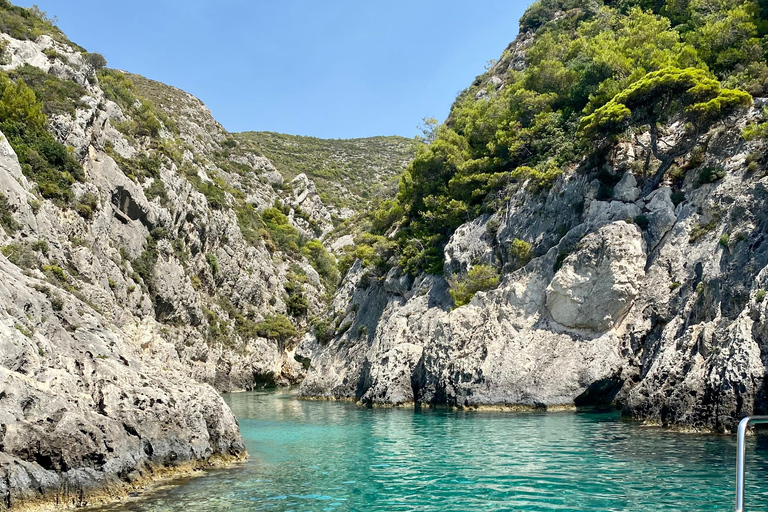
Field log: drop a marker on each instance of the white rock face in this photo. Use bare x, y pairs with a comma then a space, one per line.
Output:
121, 312
628, 299
598, 284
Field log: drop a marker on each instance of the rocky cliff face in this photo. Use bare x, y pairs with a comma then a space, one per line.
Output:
653, 301
158, 281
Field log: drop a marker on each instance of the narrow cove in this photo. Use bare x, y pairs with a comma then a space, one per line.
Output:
323, 456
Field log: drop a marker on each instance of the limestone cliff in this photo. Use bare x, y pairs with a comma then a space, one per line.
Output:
172, 263
610, 293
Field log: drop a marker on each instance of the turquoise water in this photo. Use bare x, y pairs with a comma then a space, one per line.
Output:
334, 457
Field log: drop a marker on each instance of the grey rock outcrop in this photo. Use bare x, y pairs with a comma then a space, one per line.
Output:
126, 311
655, 303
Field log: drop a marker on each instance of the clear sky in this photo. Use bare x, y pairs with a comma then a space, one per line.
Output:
331, 69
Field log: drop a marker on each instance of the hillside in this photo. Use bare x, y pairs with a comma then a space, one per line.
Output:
147, 261
347, 172
585, 229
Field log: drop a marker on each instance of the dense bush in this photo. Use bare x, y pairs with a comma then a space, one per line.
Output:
56, 95
593, 71
276, 327
281, 231
44, 160
7, 222
323, 262
479, 278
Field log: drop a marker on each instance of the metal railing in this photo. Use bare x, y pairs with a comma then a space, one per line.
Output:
741, 451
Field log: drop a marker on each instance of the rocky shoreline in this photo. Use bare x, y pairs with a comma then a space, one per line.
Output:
122, 491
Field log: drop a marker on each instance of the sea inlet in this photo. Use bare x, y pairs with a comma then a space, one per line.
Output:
338, 457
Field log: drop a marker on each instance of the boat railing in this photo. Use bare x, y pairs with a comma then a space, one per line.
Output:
741, 451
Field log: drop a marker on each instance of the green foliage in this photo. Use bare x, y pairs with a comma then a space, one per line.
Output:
297, 303
57, 96
44, 160
659, 95
213, 263
710, 174
385, 216
724, 239
281, 231
323, 330
21, 23
479, 278
591, 72
700, 230
642, 222
20, 254
23, 330
95, 61
276, 327
56, 273
156, 190
323, 262
251, 225
144, 265
87, 205
145, 120
521, 252
760, 295
345, 171
7, 222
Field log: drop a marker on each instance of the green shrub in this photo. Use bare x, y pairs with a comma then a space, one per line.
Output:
157, 191
95, 61
276, 327
57, 96
479, 278
20, 254
724, 239
23, 330
56, 273
760, 296
297, 304
144, 264
678, 197
323, 262
21, 23
710, 174
280, 230
323, 330
159, 233
642, 222
251, 226
700, 230
44, 160
213, 263
8, 223
521, 252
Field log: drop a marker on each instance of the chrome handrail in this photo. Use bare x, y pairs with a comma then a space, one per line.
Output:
741, 451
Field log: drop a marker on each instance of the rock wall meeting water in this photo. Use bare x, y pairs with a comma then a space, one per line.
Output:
149, 259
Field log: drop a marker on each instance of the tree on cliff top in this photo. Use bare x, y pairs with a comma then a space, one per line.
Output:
690, 95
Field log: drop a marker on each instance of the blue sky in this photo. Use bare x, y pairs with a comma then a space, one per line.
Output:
332, 69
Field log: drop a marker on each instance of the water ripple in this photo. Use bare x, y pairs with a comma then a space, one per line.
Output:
314, 456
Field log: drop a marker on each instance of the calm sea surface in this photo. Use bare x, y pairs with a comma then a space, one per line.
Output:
335, 457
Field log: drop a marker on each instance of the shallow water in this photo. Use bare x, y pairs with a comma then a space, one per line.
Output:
335, 457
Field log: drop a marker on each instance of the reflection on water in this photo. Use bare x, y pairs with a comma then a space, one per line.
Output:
318, 456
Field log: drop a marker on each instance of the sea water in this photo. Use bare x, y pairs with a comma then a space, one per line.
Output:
338, 457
